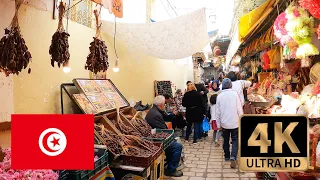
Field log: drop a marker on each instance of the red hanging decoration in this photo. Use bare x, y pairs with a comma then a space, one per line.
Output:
266, 61
313, 6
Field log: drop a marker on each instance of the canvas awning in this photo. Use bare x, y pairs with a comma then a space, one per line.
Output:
172, 39
251, 21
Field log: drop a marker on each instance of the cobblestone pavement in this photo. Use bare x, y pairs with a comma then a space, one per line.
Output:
204, 161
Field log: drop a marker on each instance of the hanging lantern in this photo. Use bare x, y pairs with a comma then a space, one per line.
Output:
216, 51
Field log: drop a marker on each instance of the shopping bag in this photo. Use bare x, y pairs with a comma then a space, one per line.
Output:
205, 125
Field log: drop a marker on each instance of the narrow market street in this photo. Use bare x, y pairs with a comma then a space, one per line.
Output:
204, 161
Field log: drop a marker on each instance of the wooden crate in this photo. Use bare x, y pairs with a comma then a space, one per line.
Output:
107, 124
157, 169
113, 115
128, 111
5, 134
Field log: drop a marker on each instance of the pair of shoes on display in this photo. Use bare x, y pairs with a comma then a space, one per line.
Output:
174, 174
140, 107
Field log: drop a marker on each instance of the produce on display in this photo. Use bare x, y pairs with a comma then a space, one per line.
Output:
59, 49
14, 54
6, 173
126, 144
123, 128
97, 60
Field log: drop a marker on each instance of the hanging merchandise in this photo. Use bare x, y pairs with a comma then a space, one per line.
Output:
292, 66
216, 51
294, 29
266, 61
313, 6
280, 29
97, 60
275, 57
300, 29
15, 55
59, 49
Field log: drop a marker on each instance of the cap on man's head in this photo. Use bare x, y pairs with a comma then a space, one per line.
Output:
226, 84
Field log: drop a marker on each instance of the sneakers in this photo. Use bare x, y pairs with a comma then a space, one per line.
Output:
217, 144
233, 164
174, 174
182, 166
227, 159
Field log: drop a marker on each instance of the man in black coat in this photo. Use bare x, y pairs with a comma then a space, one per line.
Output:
155, 118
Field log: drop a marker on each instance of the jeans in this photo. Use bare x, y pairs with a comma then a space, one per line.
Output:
173, 155
197, 129
226, 143
189, 130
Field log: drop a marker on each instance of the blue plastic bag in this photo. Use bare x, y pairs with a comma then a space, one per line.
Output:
205, 125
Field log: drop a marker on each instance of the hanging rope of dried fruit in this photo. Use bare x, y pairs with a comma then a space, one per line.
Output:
59, 49
14, 54
97, 60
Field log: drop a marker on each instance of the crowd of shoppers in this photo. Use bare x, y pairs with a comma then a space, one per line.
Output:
221, 103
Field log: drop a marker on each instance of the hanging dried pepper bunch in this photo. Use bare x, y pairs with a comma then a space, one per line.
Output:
97, 60
14, 54
59, 49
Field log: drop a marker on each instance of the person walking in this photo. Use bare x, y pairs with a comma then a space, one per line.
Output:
238, 85
228, 111
195, 111
213, 121
180, 117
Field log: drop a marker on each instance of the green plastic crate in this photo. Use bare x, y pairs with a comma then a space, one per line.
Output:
166, 142
98, 165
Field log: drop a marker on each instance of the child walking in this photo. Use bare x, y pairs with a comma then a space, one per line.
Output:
216, 131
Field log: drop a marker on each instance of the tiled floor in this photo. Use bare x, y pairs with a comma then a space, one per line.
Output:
204, 161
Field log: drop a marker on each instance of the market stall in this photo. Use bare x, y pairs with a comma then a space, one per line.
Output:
280, 58
134, 148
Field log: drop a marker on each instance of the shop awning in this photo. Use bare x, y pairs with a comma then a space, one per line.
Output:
172, 39
251, 21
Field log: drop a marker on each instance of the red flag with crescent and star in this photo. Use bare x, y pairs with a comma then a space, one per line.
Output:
59, 142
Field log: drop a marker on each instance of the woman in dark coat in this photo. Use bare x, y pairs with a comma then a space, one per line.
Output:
195, 111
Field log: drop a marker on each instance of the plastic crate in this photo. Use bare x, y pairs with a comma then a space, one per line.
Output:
63, 175
166, 142
269, 176
98, 165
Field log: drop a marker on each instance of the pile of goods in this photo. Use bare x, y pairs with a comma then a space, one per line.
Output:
144, 128
14, 54
97, 60
123, 128
59, 49
7, 173
307, 103
126, 144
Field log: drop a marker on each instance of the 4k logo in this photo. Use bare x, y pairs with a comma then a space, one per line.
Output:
274, 143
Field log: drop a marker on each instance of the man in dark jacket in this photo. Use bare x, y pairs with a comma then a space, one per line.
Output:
155, 118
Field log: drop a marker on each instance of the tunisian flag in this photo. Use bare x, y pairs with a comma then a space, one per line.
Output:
52, 142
